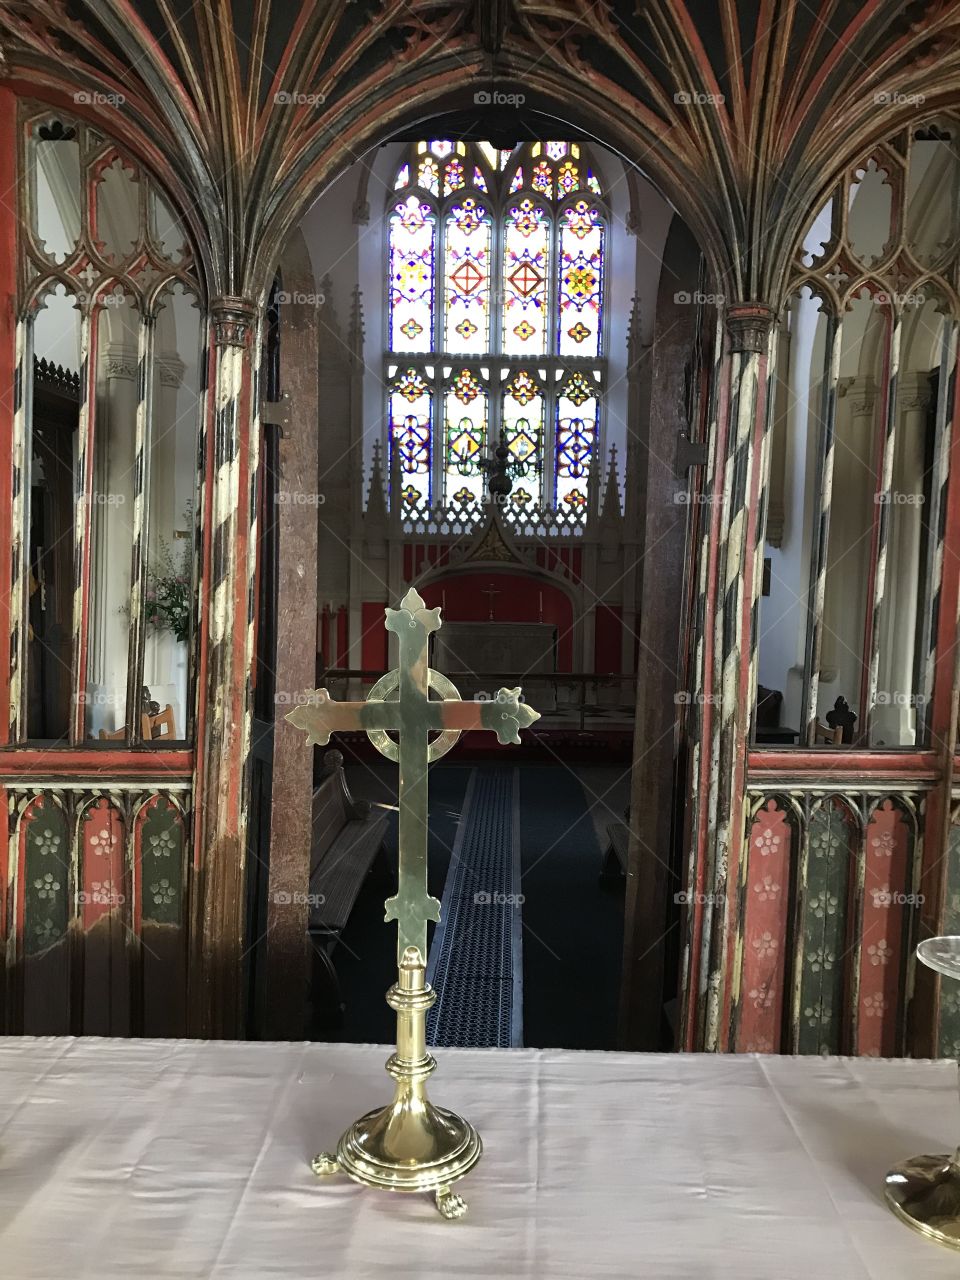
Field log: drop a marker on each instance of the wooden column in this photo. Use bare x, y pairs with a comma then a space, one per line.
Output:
217, 988
299, 498
651, 880
924, 1010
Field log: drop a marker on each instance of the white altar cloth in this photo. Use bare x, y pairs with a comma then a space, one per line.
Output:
149, 1159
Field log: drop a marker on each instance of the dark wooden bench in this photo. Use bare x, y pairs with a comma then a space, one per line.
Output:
347, 841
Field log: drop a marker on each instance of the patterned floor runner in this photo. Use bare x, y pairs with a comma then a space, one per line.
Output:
476, 961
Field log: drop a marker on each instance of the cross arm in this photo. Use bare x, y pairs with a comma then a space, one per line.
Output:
505, 715
320, 716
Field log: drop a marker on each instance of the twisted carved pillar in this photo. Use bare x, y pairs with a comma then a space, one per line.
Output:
728, 676
226, 630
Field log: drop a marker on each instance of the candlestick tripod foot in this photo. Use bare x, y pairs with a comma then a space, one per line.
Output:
450, 1204
324, 1164
924, 1192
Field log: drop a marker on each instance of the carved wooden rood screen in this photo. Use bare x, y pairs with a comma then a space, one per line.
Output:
105, 529
850, 852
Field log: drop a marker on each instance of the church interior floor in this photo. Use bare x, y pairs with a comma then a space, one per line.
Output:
572, 927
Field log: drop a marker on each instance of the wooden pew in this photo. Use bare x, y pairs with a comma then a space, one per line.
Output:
347, 840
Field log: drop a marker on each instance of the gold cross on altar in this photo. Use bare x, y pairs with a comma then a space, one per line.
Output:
400, 701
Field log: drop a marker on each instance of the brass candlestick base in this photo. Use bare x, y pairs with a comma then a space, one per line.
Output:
925, 1192
410, 1145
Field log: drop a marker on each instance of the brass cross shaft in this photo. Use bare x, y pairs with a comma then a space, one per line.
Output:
401, 702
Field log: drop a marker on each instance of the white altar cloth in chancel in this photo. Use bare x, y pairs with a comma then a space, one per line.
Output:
148, 1159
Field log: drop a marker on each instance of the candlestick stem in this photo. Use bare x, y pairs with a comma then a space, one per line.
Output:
410, 1145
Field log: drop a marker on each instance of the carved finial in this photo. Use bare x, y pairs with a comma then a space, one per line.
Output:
593, 487
376, 508
355, 335
634, 343
611, 491
413, 612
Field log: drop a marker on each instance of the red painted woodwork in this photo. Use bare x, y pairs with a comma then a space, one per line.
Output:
373, 643
88, 404
8, 360
103, 907
739, 739
608, 639
101, 862
919, 766
880, 518
4, 881
91, 762
766, 906
462, 598
885, 892
924, 1008
202, 630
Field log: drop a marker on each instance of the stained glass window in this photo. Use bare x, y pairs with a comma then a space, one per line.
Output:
465, 430
453, 178
568, 178
466, 301
580, 280
411, 437
576, 439
526, 249
522, 426
542, 179
497, 260
428, 175
412, 237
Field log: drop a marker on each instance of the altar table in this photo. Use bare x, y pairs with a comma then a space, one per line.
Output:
148, 1159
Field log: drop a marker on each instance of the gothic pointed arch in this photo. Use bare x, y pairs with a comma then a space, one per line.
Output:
497, 258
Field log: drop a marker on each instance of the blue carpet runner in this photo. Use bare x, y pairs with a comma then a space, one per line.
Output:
476, 960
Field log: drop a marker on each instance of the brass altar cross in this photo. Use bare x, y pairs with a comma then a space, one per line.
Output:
400, 701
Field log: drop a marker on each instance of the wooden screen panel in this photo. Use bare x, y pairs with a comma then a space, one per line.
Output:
949, 1031
43, 915
107, 940
159, 854
822, 928
765, 929
886, 897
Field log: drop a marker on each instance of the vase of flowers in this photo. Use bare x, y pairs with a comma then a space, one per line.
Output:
169, 590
